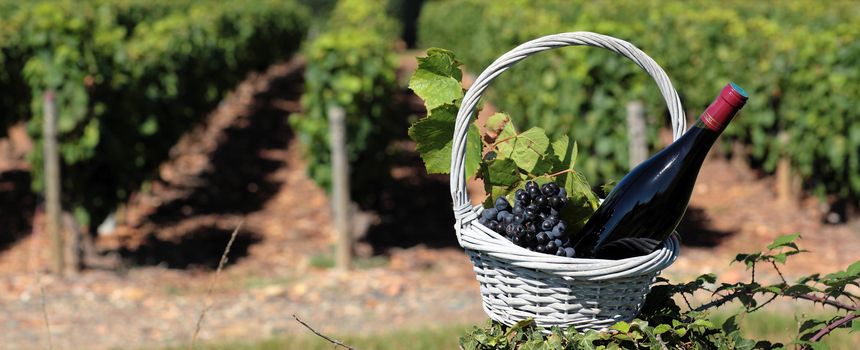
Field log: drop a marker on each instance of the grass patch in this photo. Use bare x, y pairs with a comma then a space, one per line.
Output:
762, 325
322, 261
415, 339
326, 261
257, 282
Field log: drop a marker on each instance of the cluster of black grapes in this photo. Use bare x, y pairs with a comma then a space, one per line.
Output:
533, 222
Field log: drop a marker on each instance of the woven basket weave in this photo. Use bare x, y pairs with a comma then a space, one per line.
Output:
517, 283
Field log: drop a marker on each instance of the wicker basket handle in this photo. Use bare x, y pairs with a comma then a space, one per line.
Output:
470, 100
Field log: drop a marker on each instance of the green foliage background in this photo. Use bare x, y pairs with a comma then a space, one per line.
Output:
800, 61
131, 76
351, 64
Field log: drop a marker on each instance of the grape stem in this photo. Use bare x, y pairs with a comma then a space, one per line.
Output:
506, 139
565, 171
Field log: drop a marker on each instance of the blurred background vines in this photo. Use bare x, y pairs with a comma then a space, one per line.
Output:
131, 77
797, 58
125, 77
351, 65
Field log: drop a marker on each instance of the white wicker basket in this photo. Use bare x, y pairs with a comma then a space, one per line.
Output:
517, 283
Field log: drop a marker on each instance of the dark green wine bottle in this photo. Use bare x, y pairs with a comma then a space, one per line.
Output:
647, 204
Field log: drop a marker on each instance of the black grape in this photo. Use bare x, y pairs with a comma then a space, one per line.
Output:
554, 202
533, 221
541, 201
547, 225
489, 214
519, 218
518, 209
569, 252
502, 204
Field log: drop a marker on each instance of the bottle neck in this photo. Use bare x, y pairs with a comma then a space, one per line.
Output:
705, 127
720, 112
699, 139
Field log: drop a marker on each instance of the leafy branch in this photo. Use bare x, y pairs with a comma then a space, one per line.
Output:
830, 328
664, 325
824, 290
502, 157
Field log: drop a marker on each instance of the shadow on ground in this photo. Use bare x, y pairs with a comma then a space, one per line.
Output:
17, 205
200, 248
238, 180
697, 231
414, 208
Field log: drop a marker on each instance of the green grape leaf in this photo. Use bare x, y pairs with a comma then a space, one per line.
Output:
473, 150
502, 172
582, 201
577, 187
506, 140
437, 80
497, 121
560, 149
501, 191
563, 154
433, 136
545, 165
441, 62
529, 148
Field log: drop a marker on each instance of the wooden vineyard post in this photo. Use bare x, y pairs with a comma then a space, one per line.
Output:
636, 133
52, 183
787, 182
340, 187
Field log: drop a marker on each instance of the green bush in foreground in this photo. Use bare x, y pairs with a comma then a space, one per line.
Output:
665, 325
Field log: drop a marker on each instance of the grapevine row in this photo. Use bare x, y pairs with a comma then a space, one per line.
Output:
130, 77
351, 65
800, 58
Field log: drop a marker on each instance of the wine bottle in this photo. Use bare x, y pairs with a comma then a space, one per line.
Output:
647, 204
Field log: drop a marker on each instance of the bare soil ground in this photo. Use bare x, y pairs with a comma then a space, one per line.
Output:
242, 165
